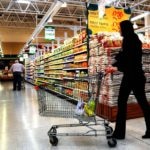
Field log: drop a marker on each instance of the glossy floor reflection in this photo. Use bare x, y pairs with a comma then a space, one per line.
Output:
22, 128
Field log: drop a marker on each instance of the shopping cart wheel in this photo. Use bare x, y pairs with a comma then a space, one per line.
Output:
109, 131
53, 140
112, 142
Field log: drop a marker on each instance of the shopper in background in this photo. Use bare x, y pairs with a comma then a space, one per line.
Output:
17, 69
129, 61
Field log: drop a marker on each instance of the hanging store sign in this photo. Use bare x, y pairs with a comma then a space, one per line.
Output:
21, 59
32, 49
49, 33
25, 56
109, 22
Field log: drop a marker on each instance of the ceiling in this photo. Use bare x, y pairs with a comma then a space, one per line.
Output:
18, 21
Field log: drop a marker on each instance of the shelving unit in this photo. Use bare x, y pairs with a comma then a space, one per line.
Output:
39, 67
29, 71
102, 55
60, 69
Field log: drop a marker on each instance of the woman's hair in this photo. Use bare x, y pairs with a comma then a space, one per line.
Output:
126, 28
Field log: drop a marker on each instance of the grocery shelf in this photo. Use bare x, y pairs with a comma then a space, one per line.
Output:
79, 52
61, 94
55, 78
53, 73
53, 69
77, 61
60, 52
42, 77
64, 86
81, 79
68, 78
40, 72
68, 62
66, 50
43, 81
80, 45
55, 64
39, 68
85, 91
60, 57
52, 64
75, 68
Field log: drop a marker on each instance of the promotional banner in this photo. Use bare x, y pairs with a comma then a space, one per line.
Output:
49, 33
109, 22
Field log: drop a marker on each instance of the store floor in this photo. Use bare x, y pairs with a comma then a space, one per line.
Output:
21, 127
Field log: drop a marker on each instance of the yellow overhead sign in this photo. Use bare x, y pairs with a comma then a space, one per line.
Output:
109, 22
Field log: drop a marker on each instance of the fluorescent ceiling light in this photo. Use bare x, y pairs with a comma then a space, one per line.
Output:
49, 14
64, 4
108, 2
21, 58
24, 1
50, 20
140, 16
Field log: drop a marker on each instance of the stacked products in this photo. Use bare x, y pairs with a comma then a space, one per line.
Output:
103, 48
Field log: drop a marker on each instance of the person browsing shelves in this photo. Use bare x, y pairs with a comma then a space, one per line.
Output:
17, 69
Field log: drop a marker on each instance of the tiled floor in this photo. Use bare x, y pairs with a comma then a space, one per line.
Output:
22, 128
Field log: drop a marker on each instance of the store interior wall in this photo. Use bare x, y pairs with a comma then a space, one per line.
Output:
12, 48
13, 40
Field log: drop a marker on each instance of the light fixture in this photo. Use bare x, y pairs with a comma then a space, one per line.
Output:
135, 26
25, 56
64, 4
32, 38
101, 8
108, 2
50, 20
49, 14
55, 9
140, 16
23, 1
21, 59
101, 11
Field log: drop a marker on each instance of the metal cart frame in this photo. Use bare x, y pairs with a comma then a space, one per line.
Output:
90, 122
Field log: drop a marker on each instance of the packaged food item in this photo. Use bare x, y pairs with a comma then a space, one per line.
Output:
89, 108
79, 108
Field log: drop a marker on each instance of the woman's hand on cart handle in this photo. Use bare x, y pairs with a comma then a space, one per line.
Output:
110, 69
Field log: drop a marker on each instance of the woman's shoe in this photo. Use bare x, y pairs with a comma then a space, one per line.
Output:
118, 137
146, 135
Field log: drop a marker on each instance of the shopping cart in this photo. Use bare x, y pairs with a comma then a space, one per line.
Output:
22, 81
42, 97
85, 113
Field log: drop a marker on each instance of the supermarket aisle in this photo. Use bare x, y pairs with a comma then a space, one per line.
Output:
21, 128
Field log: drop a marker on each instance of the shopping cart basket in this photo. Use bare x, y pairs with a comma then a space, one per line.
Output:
22, 81
56, 107
42, 97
